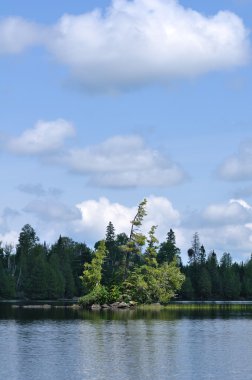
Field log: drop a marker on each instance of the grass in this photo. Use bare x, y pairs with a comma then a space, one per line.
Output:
198, 306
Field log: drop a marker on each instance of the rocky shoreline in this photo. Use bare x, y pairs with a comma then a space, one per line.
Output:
113, 306
95, 307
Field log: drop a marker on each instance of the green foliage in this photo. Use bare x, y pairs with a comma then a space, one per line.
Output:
92, 273
168, 249
149, 284
98, 295
187, 291
204, 284
27, 240
114, 294
132, 249
7, 284
122, 268
151, 251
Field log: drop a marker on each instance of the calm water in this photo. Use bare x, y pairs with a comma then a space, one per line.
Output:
61, 344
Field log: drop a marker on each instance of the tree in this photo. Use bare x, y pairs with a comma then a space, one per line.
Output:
187, 291
151, 251
204, 284
202, 255
26, 241
147, 284
213, 270
231, 285
136, 239
7, 285
110, 235
168, 249
194, 251
151, 282
247, 279
65, 251
110, 261
92, 274
92, 278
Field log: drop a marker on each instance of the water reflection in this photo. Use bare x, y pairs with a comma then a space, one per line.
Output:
63, 344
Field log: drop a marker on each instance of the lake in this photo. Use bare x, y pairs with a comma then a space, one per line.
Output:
66, 344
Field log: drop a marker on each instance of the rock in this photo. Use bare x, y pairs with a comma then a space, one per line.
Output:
123, 305
96, 307
105, 306
43, 306
132, 303
115, 305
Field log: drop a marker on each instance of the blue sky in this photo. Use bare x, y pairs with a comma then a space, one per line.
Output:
104, 103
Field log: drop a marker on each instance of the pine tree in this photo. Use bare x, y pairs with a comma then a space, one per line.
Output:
136, 238
168, 249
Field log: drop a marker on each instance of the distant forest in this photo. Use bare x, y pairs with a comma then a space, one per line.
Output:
120, 265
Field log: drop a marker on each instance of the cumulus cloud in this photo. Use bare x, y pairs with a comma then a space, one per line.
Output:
222, 227
234, 212
45, 137
238, 167
146, 41
135, 43
17, 34
51, 211
96, 214
235, 239
124, 161
10, 237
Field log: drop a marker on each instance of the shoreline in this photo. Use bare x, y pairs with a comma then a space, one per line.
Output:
172, 306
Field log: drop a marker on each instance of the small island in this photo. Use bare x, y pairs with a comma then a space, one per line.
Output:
121, 271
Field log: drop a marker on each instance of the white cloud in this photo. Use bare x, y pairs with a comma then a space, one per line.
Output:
123, 161
135, 43
235, 239
161, 212
10, 237
45, 137
16, 34
238, 167
224, 227
232, 213
147, 41
97, 214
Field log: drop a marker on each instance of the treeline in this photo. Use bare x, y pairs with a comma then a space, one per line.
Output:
37, 271
207, 278
120, 267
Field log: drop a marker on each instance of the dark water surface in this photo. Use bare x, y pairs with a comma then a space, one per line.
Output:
63, 344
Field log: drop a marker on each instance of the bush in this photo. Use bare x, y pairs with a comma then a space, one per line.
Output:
114, 294
98, 295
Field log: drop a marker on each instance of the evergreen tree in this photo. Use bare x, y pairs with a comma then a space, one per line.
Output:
204, 284
110, 261
92, 274
194, 251
136, 239
187, 291
168, 249
214, 273
151, 251
26, 241
231, 285
247, 279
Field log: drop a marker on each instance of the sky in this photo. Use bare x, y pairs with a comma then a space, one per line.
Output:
106, 102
